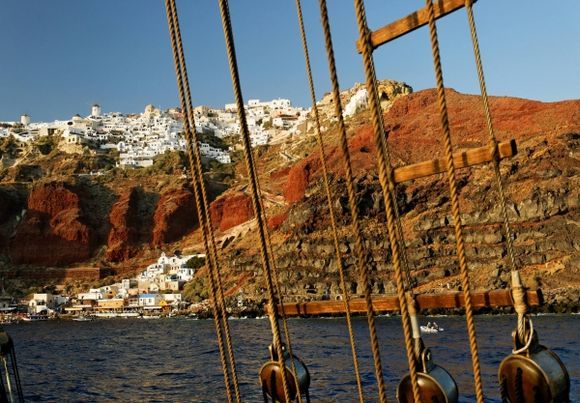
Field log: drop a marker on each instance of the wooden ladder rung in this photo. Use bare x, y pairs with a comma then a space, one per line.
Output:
411, 22
479, 299
461, 159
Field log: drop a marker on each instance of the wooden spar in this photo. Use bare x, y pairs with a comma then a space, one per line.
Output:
411, 22
461, 159
479, 299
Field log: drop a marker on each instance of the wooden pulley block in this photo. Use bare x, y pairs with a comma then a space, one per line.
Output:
271, 377
533, 373
435, 383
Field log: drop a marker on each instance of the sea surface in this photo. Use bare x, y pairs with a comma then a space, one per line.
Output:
176, 359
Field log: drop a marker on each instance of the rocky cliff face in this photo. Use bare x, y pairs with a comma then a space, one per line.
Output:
175, 216
542, 185
128, 226
54, 230
388, 90
67, 223
230, 210
12, 205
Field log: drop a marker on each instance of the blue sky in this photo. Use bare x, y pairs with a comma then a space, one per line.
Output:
61, 56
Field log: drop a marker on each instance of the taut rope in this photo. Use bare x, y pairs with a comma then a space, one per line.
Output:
267, 263
218, 305
464, 273
387, 185
283, 313
339, 260
517, 289
363, 261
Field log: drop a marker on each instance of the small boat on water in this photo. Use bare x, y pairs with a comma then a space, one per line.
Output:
109, 315
34, 318
83, 319
151, 317
431, 328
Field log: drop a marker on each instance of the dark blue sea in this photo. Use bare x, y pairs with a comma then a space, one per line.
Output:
176, 359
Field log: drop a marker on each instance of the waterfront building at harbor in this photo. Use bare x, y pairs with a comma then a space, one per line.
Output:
44, 303
155, 288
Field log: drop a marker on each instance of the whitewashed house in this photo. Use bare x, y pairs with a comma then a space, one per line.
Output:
90, 297
45, 302
356, 103
150, 300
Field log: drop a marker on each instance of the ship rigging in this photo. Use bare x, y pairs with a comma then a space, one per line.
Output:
531, 373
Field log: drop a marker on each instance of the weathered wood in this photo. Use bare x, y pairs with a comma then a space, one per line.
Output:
461, 160
411, 22
479, 299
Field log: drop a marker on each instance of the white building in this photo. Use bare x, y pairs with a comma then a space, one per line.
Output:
96, 110
25, 120
171, 298
259, 138
45, 303
150, 300
92, 296
169, 268
280, 103
356, 103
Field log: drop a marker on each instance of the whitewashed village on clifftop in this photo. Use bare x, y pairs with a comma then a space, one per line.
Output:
139, 138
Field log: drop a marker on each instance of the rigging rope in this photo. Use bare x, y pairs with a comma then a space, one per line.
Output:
282, 308
411, 281
216, 290
519, 301
387, 185
464, 274
265, 255
339, 260
362, 257
209, 224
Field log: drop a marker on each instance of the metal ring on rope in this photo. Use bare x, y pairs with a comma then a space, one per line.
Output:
529, 342
271, 377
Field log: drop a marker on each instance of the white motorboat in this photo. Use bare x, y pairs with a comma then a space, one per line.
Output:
34, 318
431, 328
151, 317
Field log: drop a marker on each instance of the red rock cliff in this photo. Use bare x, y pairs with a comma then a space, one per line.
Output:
230, 210
175, 216
53, 231
125, 234
415, 131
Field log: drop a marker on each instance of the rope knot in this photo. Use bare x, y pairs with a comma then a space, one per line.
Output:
519, 296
